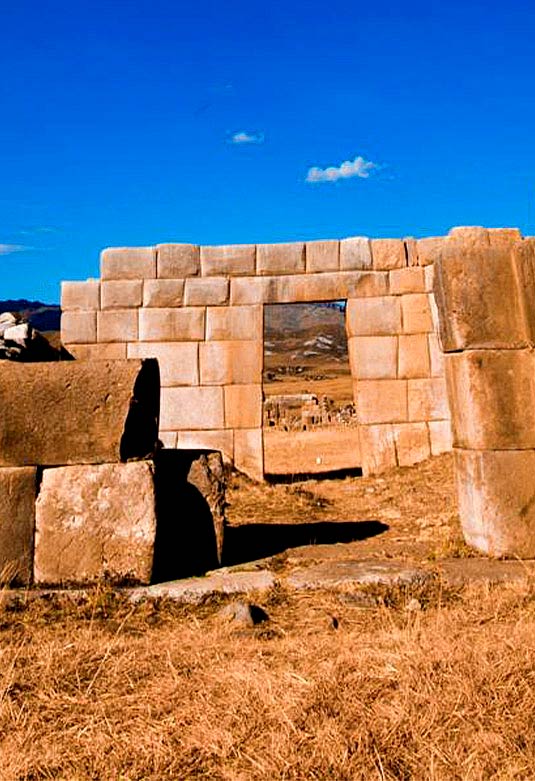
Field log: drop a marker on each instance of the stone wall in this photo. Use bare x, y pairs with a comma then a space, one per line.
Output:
199, 311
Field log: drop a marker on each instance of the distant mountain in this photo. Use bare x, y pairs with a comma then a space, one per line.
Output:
44, 317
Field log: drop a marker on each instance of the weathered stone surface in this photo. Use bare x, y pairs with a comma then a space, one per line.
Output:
374, 316
436, 356
101, 351
341, 574
117, 325
320, 450
412, 443
78, 412
329, 286
18, 489
232, 260
176, 261
322, 256
128, 263
430, 249
208, 476
210, 291
406, 280
381, 401
388, 254
80, 295
231, 323
492, 398
224, 363
504, 317
496, 495
248, 452
178, 361
195, 590
222, 440
427, 399
377, 448
121, 293
440, 436
416, 313
413, 356
163, 292
243, 406
95, 522
173, 324
280, 258
79, 327
355, 253
192, 408
373, 357
458, 572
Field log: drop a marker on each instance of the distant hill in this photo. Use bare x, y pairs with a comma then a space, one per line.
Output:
44, 317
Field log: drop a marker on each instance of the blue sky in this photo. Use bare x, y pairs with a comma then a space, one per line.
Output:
139, 123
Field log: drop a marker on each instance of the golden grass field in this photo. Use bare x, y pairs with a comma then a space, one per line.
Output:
331, 688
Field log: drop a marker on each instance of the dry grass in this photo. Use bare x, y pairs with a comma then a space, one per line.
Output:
101, 690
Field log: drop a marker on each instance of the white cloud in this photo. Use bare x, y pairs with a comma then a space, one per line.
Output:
8, 249
348, 169
247, 137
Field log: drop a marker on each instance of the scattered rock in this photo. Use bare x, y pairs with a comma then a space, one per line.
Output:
243, 614
413, 605
19, 341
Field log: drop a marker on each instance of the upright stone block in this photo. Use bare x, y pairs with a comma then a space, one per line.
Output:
171, 325
243, 406
440, 436
322, 256
430, 249
234, 323
406, 280
95, 522
377, 448
373, 357
117, 325
280, 258
355, 254
80, 295
102, 351
388, 254
163, 292
221, 439
208, 291
122, 293
373, 316
416, 313
248, 452
233, 260
226, 363
178, 361
427, 399
492, 397
412, 443
381, 401
413, 356
176, 261
496, 494
78, 412
18, 490
79, 327
189, 409
128, 263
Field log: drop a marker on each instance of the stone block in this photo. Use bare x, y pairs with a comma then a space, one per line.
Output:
492, 395
78, 327
416, 313
168, 439
222, 440
373, 357
496, 497
355, 253
234, 323
80, 295
412, 443
128, 263
163, 292
121, 293
436, 356
178, 361
388, 254
429, 276
251, 290
206, 291
430, 249
189, 409
207, 475
378, 449
18, 490
373, 316
171, 325
243, 406
440, 436
77, 412
322, 256
248, 452
381, 401
411, 250
280, 258
226, 363
95, 522
502, 317
406, 280
176, 261
413, 356
105, 351
233, 260
117, 325
428, 399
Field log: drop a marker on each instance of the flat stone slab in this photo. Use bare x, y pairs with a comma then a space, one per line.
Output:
194, 590
340, 574
459, 572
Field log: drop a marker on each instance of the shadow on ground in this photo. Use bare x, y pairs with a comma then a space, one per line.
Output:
257, 540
